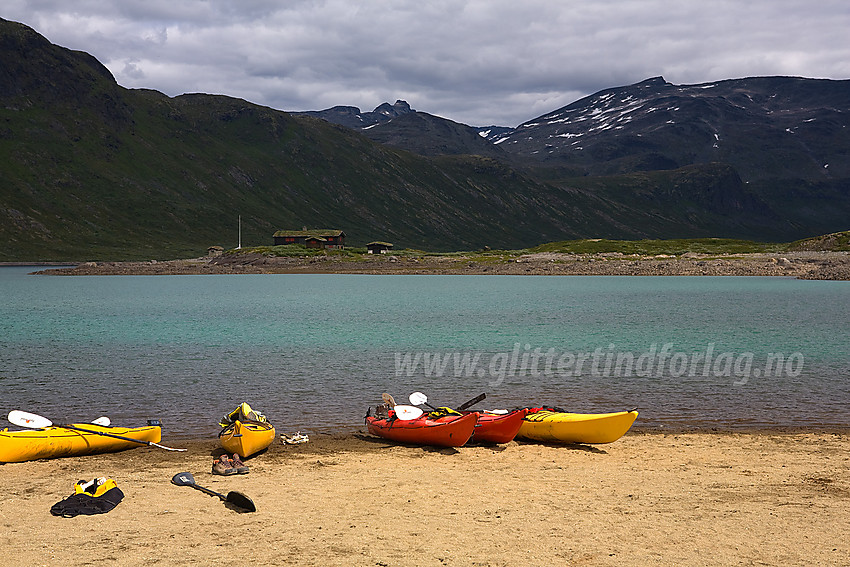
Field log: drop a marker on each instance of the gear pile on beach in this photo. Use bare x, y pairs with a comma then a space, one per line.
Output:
247, 433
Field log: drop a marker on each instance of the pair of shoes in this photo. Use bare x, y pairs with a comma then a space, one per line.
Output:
237, 463
294, 439
223, 466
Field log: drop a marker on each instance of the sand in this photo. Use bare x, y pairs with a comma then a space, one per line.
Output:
756, 498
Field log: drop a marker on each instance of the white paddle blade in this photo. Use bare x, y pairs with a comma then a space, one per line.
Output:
406, 413
103, 421
388, 399
30, 420
418, 398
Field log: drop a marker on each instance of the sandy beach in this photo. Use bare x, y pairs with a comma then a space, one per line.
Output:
651, 498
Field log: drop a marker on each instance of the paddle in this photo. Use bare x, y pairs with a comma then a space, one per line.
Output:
237, 500
102, 421
388, 399
471, 402
33, 421
417, 398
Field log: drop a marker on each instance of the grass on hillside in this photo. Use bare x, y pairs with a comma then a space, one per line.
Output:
297, 251
674, 247
837, 242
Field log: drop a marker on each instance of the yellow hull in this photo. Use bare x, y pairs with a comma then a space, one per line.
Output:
558, 427
52, 442
245, 439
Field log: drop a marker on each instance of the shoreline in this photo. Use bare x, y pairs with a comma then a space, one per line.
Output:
360, 441
648, 499
801, 265
345, 434
351, 439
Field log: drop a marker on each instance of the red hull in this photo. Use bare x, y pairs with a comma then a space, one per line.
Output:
424, 431
498, 428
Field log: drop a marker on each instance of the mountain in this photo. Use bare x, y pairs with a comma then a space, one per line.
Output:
765, 127
92, 170
400, 126
785, 138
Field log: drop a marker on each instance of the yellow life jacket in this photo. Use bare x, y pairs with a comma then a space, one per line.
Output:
97, 487
243, 413
442, 412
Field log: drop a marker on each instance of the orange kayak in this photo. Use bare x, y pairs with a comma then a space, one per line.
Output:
452, 431
495, 427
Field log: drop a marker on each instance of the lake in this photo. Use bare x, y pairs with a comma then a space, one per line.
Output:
314, 351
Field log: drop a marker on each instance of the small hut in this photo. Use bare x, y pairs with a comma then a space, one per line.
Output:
379, 247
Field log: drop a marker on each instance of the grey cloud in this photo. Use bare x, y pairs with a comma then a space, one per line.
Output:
479, 62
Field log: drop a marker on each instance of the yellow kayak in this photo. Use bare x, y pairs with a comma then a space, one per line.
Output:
562, 427
52, 442
245, 439
245, 431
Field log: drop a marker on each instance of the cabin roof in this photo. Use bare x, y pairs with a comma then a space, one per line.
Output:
379, 243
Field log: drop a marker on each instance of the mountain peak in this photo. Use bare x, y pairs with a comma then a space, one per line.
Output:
352, 117
392, 110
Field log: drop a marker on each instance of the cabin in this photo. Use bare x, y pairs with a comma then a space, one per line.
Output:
315, 242
379, 247
320, 238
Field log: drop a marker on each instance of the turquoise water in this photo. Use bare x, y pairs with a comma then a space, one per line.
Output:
313, 351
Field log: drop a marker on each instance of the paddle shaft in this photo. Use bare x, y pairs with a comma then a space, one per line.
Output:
471, 402
208, 491
235, 499
151, 443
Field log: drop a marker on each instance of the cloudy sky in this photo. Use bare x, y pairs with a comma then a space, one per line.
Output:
479, 62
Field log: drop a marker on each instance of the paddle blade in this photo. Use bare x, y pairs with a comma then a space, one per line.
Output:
30, 420
388, 399
240, 502
406, 413
418, 398
183, 479
103, 421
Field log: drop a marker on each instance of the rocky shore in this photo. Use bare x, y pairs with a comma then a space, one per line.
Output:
802, 265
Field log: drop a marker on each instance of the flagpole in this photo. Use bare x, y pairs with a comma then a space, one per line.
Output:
240, 233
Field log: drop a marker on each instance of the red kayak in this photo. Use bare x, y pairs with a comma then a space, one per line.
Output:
451, 431
495, 427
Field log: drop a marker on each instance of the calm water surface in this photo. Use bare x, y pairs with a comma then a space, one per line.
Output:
313, 351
